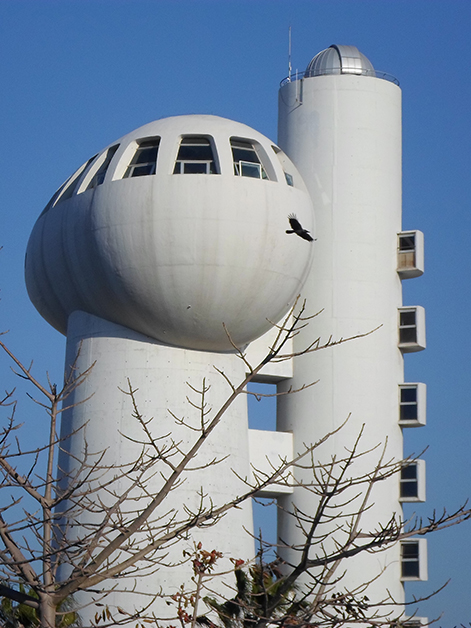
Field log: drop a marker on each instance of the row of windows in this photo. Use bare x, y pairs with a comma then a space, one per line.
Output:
196, 155
410, 263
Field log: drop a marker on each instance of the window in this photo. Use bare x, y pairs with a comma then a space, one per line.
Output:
145, 159
409, 486
406, 242
68, 188
414, 559
195, 156
408, 410
407, 327
412, 328
99, 175
246, 160
289, 179
412, 482
410, 560
410, 254
415, 622
412, 401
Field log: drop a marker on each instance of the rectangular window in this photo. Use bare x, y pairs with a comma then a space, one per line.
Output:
408, 410
195, 156
407, 327
145, 159
406, 242
409, 481
410, 254
414, 559
246, 160
412, 328
412, 481
410, 566
412, 404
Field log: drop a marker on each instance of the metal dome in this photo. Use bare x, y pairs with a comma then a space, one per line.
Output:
339, 60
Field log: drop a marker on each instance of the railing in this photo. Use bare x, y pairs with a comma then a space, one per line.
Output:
336, 71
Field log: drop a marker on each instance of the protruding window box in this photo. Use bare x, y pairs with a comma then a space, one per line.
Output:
412, 404
414, 559
412, 482
415, 622
412, 329
410, 254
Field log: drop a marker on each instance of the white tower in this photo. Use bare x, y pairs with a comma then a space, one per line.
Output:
175, 235
340, 123
147, 258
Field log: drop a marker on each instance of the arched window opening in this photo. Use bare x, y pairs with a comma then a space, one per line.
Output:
195, 156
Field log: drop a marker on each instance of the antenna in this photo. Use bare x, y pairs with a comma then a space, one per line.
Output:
289, 54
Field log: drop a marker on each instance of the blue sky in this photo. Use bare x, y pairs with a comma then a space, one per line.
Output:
78, 74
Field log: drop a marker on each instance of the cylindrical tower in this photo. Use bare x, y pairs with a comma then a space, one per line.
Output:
340, 124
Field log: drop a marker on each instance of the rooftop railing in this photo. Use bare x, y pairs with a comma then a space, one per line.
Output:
337, 71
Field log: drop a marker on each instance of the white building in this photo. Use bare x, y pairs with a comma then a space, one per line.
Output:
176, 233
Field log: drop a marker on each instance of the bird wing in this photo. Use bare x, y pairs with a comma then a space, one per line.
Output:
295, 225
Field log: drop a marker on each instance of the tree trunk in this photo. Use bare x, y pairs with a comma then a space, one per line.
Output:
47, 612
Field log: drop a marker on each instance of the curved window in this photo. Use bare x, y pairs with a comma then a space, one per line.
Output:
68, 187
145, 159
99, 175
195, 156
246, 160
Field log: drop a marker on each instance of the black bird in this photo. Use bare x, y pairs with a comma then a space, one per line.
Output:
297, 229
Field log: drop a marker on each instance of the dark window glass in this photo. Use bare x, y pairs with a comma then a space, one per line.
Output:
409, 489
195, 156
145, 159
408, 318
245, 154
409, 472
408, 413
410, 560
408, 334
248, 169
409, 486
409, 395
99, 176
289, 179
407, 243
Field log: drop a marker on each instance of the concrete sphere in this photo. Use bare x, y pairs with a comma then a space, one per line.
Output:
180, 248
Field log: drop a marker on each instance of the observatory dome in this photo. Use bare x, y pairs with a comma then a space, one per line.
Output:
177, 231
339, 60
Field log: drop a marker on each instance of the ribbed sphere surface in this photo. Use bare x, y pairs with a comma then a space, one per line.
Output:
178, 257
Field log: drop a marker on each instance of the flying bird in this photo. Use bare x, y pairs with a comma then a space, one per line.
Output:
297, 229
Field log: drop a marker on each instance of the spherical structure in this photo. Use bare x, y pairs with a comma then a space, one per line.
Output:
177, 231
339, 60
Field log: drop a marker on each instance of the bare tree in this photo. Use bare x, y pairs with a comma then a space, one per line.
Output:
46, 558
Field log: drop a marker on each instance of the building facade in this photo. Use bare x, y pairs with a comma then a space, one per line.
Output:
170, 247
